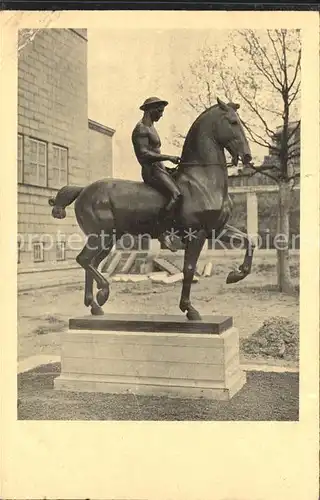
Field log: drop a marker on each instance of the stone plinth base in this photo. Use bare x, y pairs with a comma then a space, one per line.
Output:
145, 355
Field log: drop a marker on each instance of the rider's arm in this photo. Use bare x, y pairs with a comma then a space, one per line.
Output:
141, 143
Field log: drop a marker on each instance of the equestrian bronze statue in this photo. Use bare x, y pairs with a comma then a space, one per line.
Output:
115, 207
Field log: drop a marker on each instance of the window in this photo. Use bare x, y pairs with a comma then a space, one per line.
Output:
59, 173
20, 158
61, 250
35, 172
38, 254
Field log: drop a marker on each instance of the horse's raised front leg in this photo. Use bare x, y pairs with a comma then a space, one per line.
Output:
194, 245
230, 234
89, 257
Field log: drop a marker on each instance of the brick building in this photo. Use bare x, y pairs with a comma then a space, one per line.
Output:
100, 151
57, 145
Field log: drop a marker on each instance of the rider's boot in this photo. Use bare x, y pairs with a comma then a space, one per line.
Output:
166, 241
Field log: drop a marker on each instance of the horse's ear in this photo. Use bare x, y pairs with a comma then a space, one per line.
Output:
234, 105
222, 104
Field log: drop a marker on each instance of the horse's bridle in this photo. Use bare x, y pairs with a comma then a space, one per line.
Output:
193, 164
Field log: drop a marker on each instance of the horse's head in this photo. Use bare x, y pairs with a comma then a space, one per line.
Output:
229, 132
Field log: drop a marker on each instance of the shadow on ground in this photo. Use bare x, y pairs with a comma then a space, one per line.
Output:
265, 397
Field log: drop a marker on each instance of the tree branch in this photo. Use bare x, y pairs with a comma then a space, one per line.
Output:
294, 95
273, 111
254, 109
275, 50
260, 65
192, 105
295, 154
296, 71
268, 167
225, 87
293, 177
293, 131
292, 147
209, 93
258, 138
202, 103
257, 170
285, 67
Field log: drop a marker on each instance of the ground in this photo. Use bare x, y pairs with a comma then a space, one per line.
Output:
44, 314
265, 396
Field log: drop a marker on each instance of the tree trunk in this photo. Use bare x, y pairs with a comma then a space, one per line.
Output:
282, 241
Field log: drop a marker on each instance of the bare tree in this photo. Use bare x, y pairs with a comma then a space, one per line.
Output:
260, 70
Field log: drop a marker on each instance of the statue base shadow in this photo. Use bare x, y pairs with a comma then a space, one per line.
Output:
150, 355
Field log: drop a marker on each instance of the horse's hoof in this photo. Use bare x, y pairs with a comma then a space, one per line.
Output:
184, 306
102, 296
96, 310
193, 315
235, 276
88, 300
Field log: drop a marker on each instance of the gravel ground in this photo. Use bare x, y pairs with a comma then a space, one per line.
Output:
44, 314
265, 397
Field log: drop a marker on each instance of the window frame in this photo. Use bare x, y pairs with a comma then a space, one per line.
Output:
60, 148
31, 140
61, 245
40, 244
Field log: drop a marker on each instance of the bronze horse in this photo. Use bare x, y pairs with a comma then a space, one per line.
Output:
109, 208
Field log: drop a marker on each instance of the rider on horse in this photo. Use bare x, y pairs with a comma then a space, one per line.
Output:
147, 144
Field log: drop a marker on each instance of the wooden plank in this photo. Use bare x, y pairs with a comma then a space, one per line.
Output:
173, 278
114, 263
129, 263
200, 268
164, 265
131, 278
152, 323
106, 262
157, 276
207, 272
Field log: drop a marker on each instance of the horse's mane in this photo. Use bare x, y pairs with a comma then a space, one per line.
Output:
194, 124
200, 116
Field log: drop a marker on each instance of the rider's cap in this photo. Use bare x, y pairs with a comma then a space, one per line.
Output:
151, 102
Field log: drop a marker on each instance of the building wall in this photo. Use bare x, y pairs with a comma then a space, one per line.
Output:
245, 178
52, 109
100, 151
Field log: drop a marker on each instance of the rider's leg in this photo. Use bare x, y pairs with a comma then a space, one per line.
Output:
166, 183
153, 176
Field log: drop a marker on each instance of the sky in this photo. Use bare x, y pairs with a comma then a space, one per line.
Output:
125, 67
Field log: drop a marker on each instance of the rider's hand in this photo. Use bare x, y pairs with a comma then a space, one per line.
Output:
175, 159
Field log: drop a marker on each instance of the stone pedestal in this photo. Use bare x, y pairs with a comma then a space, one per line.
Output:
152, 355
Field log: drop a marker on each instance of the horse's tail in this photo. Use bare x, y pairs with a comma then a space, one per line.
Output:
65, 197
